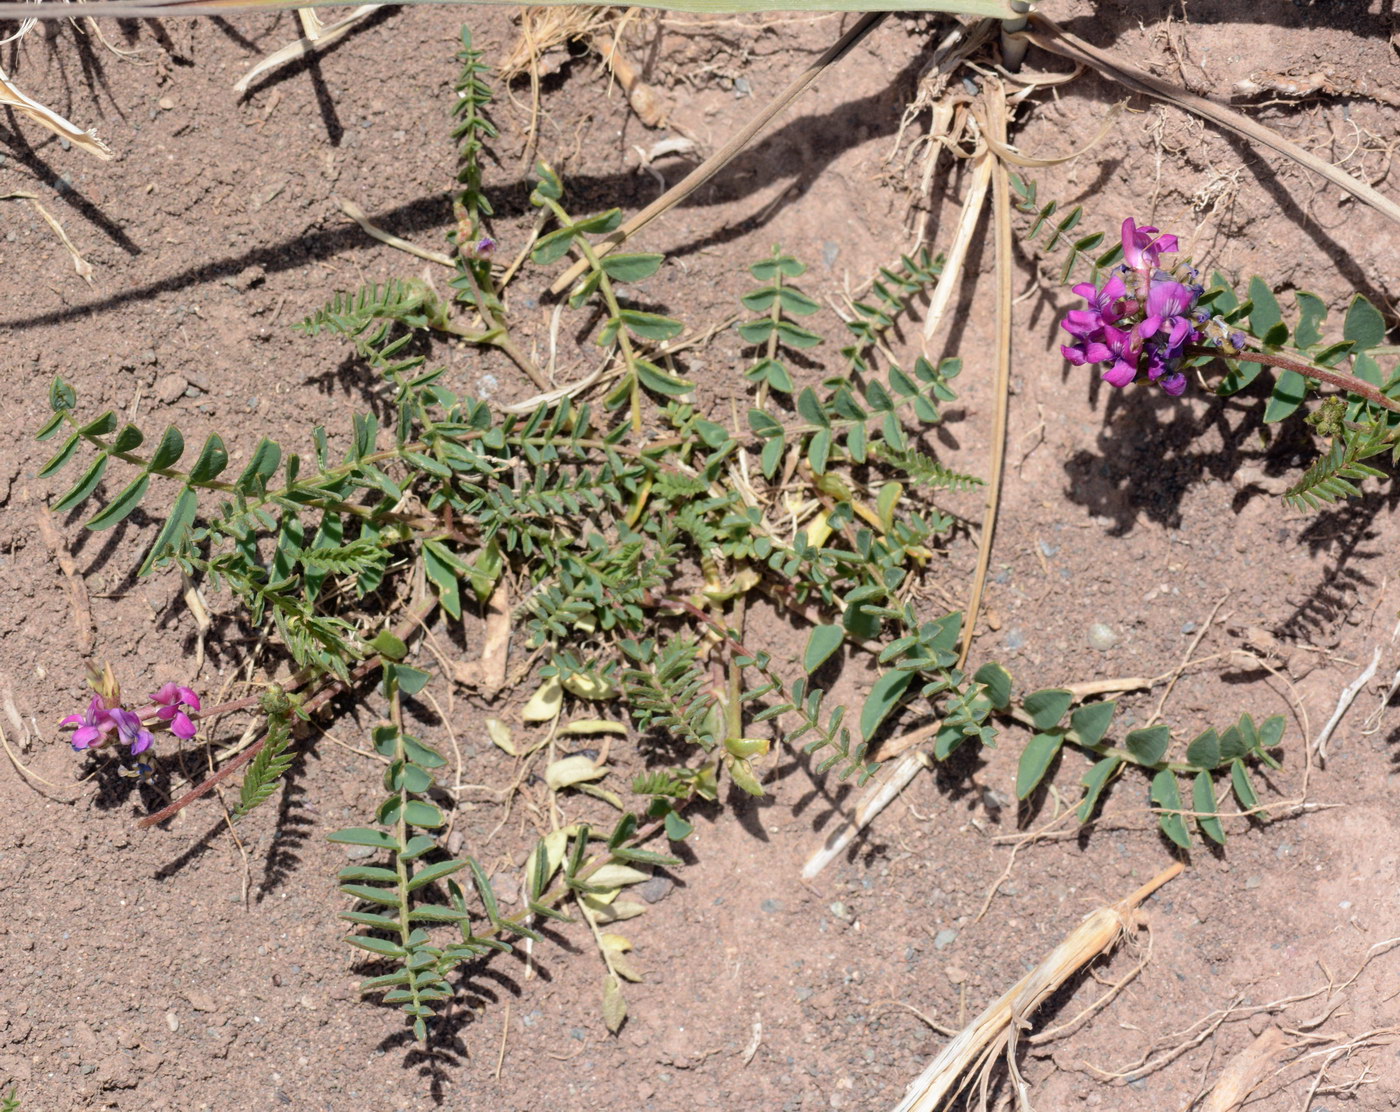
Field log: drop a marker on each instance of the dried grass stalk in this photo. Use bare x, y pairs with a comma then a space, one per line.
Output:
65, 129
999, 1028
317, 36
1246, 1071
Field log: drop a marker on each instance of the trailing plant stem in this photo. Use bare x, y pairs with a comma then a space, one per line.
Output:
1358, 386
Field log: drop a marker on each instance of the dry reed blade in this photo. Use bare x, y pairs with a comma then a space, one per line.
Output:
1048, 36
1245, 1072
325, 35
979, 1043
80, 264
64, 129
712, 165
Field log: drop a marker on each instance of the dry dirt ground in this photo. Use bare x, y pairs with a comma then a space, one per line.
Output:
175, 969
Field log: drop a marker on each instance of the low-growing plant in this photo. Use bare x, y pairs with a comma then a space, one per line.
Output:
629, 538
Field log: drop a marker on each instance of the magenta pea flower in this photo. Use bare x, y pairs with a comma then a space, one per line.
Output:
131, 730
1142, 247
93, 726
1143, 318
173, 701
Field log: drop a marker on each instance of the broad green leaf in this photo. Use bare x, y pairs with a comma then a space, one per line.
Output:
1094, 781
213, 458
61, 395
1035, 762
1204, 751
819, 451
1090, 722
1266, 313
756, 331
997, 682
1203, 803
1166, 795
796, 302
601, 224
1238, 377
1271, 731
100, 426
811, 409
883, 698
122, 505
553, 246
387, 645
181, 518
364, 836
1311, 311
443, 575
85, 486
61, 457
51, 427
410, 680
370, 893
1148, 746
417, 812
374, 945
262, 465
631, 268
772, 372
650, 326
663, 382
677, 829
1288, 394
169, 450
1364, 327
129, 439
367, 872
1046, 708
767, 270
1244, 790
821, 643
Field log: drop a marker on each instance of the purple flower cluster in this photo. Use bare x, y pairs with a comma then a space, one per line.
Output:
101, 722
1142, 318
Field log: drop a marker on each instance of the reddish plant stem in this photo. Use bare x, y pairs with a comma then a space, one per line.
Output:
402, 631
1358, 386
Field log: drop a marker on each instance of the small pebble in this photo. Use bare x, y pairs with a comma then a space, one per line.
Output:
166, 103
742, 88
1188, 627
172, 1021
1252, 883
656, 889
1014, 639
771, 907
830, 251
1101, 637
944, 938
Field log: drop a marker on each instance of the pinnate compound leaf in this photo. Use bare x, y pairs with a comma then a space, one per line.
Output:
1035, 762
1167, 795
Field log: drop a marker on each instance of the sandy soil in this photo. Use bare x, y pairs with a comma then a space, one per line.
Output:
176, 968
